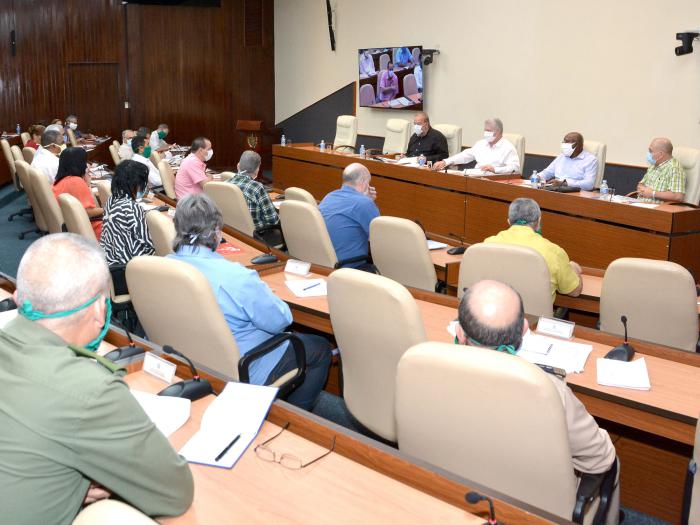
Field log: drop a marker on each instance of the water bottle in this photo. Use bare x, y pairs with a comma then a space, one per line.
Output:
322, 146
604, 190
362, 151
283, 140
421, 160
19, 129
534, 179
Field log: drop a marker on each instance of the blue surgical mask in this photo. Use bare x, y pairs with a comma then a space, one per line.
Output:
650, 158
26, 310
140, 194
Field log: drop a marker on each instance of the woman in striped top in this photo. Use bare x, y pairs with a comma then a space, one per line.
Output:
124, 231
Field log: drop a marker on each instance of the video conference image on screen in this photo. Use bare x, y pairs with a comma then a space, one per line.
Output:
391, 77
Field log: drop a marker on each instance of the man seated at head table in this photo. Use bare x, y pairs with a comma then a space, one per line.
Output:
72, 124
157, 139
347, 213
665, 178
253, 312
492, 154
426, 140
142, 155
72, 433
192, 174
574, 166
46, 157
525, 220
388, 84
125, 152
491, 315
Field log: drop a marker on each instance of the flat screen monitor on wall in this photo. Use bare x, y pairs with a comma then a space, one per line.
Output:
391, 77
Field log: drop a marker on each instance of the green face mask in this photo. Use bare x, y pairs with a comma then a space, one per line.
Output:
521, 222
26, 310
147, 152
500, 348
162, 134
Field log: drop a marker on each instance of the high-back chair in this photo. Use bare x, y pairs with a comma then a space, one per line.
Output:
28, 154
522, 268
155, 158
230, 200
167, 178
367, 96
599, 150
658, 298
26, 137
299, 194
16, 153
71, 137
383, 61
390, 322
345, 132
104, 191
518, 141
111, 512
410, 86
689, 159
433, 383
75, 216
162, 231
400, 252
7, 151
46, 200
114, 152
185, 314
116, 143
23, 175
397, 134
453, 134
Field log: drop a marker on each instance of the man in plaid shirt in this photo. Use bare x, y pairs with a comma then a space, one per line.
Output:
665, 178
259, 203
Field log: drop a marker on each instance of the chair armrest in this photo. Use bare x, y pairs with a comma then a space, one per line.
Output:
351, 260
7, 305
344, 146
268, 346
591, 486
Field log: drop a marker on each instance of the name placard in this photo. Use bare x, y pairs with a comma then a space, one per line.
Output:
159, 367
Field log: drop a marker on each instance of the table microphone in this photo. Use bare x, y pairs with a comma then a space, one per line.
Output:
474, 497
623, 352
124, 352
191, 389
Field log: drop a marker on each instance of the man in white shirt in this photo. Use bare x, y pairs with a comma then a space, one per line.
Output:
142, 154
157, 140
492, 154
125, 151
46, 157
367, 64
573, 166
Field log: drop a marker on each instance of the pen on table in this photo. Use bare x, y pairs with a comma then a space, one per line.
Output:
228, 447
550, 347
309, 287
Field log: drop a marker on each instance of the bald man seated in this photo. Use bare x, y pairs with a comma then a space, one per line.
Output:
72, 433
665, 178
491, 316
574, 166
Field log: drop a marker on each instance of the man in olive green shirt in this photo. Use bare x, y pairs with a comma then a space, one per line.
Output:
70, 431
665, 178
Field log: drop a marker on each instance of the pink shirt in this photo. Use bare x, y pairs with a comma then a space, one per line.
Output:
191, 173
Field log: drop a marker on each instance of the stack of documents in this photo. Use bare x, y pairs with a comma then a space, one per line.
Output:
229, 425
623, 374
558, 353
167, 413
308, 287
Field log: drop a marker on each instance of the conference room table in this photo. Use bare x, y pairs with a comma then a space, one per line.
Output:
467, 209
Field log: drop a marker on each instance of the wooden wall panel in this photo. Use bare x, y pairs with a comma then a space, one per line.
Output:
94, 96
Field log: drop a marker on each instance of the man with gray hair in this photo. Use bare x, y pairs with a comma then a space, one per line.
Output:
493, 153
524, 218
72, 124
72, 432
157, 140
426, 140
261, 208
125, 150
46, 157
665, 178
348, 212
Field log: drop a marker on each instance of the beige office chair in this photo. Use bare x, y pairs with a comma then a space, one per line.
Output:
410, 86
522, 268
26, 137
167, 178
46, 201
116, 144
230, 200
111, 512
689, 159
694, 503
416, 55
513, 435
400, 252
185, 314
104, 191
23, 175
155, 158
75, 216
7, 151
162, 231
599, 150
16, 153
375, 320
28, 154
518, 141
657, 297
397, 134
71, 137
114, 152
367, 96
299, 194
345, 133
383, 61
453, 134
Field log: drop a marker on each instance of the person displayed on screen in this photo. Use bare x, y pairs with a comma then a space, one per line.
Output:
367, 64
388, 86
403, 57
418, 73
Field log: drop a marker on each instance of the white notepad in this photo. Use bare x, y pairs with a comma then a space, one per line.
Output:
239, 410
435, 245
308, 287
167, 413
558, 353
623, 374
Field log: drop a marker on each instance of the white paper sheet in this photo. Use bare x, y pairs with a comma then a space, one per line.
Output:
435, 245
623, 374
555, 352
6, 317
167, 413
649, 205
308, 287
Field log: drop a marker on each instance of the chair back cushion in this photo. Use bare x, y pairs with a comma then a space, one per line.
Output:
689, 159
299, 194
398, 132
599, 150
453, 134
162, 231
306, 234
345, 131
231, 201
167, 178
46, 200
75, 216
518, 141
23, 175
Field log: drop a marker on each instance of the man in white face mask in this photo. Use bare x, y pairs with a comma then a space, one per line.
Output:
72, 124
426, 140
574, 166
493, 153
192, 175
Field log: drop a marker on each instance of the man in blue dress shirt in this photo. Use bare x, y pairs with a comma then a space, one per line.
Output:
348, 212
253, 312
573, 166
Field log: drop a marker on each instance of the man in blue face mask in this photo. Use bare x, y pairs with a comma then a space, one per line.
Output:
71, 431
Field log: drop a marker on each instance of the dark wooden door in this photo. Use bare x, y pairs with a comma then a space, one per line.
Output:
93, 95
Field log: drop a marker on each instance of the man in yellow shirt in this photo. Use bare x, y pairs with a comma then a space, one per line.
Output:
524, 217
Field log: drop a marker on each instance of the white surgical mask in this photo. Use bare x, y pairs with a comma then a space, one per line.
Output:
488, 135
209, 155
73, 126
567, 149
128, 141
417, 129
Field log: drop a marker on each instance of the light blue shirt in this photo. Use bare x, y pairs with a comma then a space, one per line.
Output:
253, 313
579, 171
347, 214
